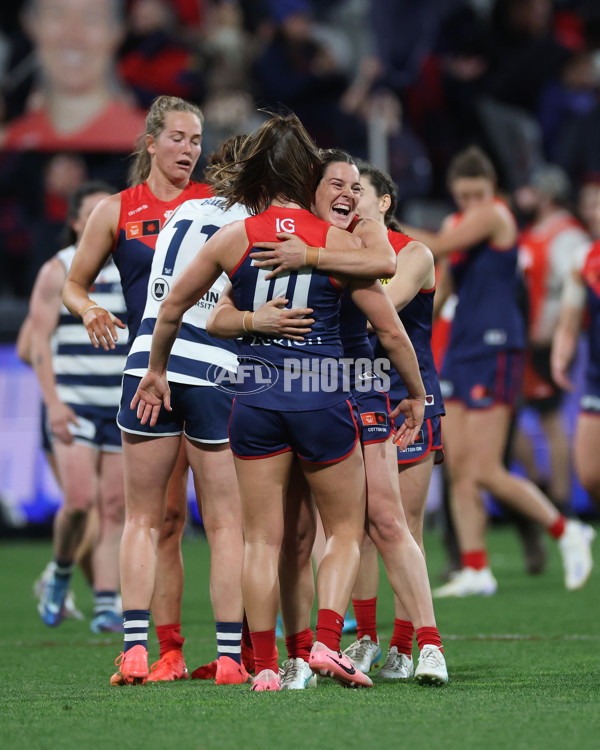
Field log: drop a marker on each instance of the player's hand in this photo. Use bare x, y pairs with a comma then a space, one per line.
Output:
560, 375
413, 410
152, 393
60, 417
275, 319
101, 326
287, 255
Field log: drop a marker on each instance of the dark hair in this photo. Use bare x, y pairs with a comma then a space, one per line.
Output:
334, 156
472, 162
280, 160
155, 124
91, 187
383, 185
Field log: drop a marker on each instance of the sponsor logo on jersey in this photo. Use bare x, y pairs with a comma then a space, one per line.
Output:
135, 229
137, 210
494, 337
285, 225
370, 418
159, 289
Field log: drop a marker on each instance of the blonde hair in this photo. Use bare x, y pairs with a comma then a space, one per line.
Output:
155, 124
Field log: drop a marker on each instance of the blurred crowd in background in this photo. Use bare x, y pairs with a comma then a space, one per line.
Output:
405, 84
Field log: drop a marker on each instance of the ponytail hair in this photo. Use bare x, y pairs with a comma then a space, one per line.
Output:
155, 124
279, 160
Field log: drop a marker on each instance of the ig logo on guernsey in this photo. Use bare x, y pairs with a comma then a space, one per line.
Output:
252, 376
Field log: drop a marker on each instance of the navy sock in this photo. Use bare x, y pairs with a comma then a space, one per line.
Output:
229, 640
135, 625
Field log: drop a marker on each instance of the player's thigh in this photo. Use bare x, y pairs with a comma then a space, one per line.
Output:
77, 468
148, 463
414, 480
587, 439
262, 486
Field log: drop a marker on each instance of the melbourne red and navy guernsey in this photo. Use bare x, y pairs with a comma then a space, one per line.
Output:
142, 217
302, 375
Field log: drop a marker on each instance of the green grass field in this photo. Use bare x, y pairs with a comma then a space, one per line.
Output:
524, 673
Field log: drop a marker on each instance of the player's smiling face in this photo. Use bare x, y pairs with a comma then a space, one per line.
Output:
178, 147
337, 195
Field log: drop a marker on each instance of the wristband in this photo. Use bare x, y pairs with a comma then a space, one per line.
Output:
248, 330
312, 256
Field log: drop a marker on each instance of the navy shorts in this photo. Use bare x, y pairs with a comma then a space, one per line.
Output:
373, 416
200, 412
483, 382
96, 426
323, 436
429, 439
589, 403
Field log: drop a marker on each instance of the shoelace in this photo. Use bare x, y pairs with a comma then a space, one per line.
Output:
359, 650
431, 657
292, 671
393, 661
119, 659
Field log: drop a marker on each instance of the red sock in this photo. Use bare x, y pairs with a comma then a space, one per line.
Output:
476, 558
299, 644
429, 636
247, 650
402, 637
365, 611
265, 650
169, 638
329, 628
558, 527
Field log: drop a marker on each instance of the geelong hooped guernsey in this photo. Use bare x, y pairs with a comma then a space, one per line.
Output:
591, 278
278, 373
417, 318
85, 375
195, 354
142, 217
487, 317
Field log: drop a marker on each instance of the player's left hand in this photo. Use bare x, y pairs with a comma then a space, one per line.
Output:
287, 255
413, 410
152, 393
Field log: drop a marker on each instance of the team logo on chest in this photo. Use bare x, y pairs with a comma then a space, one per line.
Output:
136, 229
159, 289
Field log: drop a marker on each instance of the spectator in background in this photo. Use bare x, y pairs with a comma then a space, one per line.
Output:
525, 51
300, 70
154, 61
77, 103
63, 174
547, 247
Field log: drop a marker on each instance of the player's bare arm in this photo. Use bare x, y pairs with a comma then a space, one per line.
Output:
271, 319
338, 256
45, 313
93, 251
415, 270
